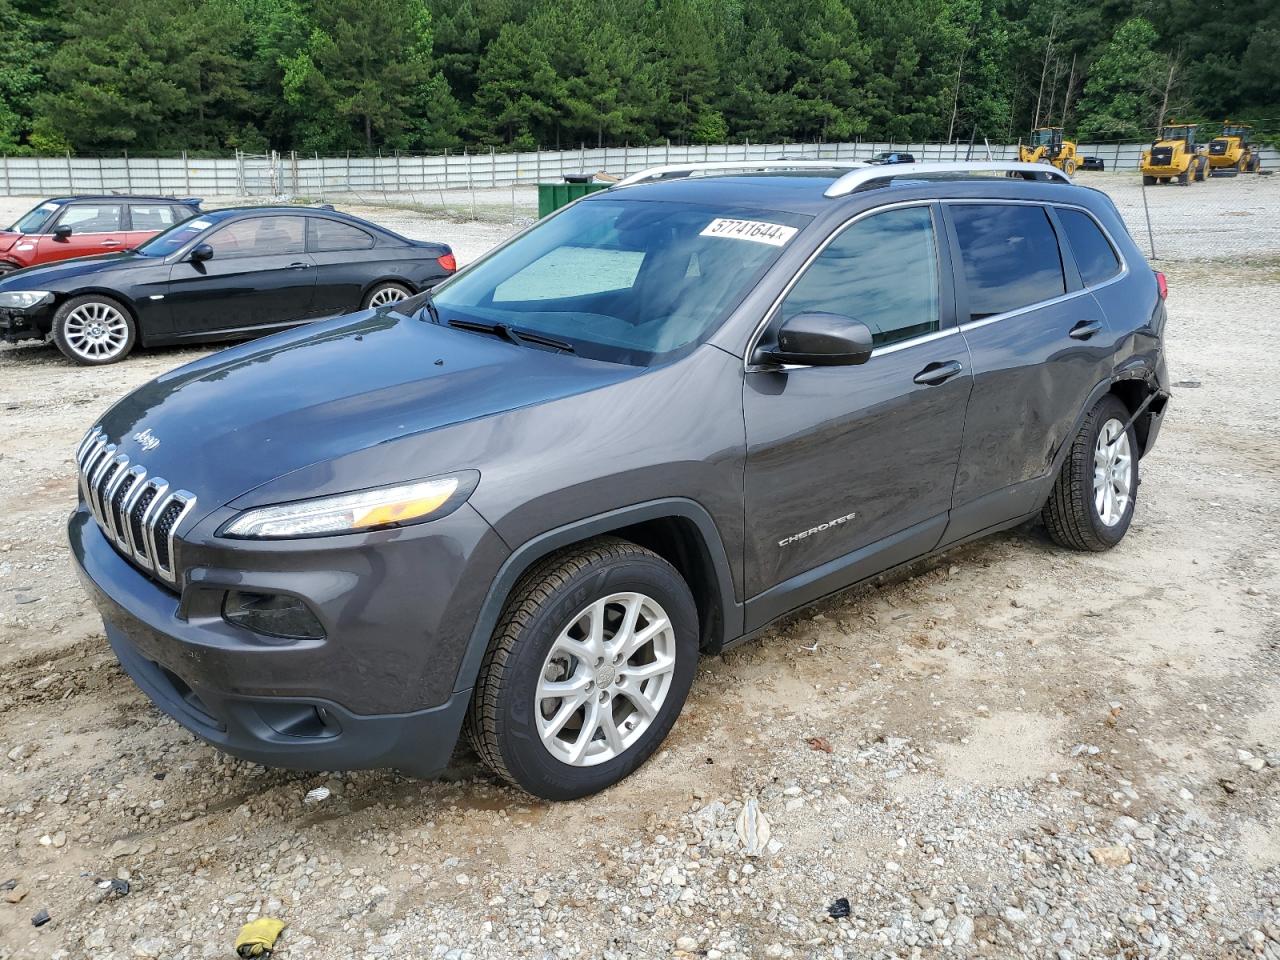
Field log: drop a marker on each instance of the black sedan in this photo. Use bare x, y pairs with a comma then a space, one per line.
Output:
227, 275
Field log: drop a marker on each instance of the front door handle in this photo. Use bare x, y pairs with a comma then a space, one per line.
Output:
936, 373
111, 243
1085, 329
299, 266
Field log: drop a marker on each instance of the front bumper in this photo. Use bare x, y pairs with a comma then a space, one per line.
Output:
372, 693
31, 324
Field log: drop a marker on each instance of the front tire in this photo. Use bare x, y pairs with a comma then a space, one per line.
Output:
94, 330
587, 670
1092, 502
384, 294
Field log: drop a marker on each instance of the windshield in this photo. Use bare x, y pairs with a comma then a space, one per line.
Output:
1044, 138
1176, 133
33, 220
1232, 130
626, 281
175, 238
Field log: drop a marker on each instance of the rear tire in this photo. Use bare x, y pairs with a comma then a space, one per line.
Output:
563, 706
1092, 502
1148, 181
93, 330
1184, 177
383, 294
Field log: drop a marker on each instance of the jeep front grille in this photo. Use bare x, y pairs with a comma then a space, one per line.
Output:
137, 513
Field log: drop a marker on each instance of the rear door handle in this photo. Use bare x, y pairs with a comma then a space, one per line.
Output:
936, 373
1085, 329
299, 266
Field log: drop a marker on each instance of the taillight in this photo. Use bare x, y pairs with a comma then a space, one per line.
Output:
1162, 284
448, 262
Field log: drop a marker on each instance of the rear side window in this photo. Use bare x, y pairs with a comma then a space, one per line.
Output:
152, 216
1093, 252
883, 270
331, 235
1010, 255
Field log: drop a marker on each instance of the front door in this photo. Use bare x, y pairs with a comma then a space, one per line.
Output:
850, 469
259, 277
95, 228
1040, 345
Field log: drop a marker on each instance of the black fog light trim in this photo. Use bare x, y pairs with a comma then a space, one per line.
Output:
272, 615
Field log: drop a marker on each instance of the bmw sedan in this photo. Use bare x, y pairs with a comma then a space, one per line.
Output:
228, 275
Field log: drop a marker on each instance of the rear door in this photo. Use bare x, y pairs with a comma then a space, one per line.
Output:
259, 276
340, 251
850, 469
1039, 343
96, 227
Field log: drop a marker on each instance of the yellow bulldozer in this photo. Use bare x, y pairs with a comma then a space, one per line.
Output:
1048, 146
1233, 152
1175, 155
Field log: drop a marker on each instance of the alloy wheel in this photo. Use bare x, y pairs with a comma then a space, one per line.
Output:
605, 678
1112, 472
96, 331
385, 295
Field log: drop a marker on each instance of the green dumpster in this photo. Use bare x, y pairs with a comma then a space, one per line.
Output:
553, 196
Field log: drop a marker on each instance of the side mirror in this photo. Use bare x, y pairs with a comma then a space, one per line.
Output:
62, 232
820, 340
201, 252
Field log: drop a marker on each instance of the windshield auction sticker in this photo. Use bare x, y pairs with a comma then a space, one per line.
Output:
774, 234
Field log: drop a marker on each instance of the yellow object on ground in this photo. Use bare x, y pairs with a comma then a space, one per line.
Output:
258, 939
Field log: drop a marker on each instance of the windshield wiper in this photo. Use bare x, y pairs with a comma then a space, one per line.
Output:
510, 333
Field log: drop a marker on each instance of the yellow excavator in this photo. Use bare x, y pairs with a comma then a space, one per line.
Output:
1175, 155
1233, 151
1048, 146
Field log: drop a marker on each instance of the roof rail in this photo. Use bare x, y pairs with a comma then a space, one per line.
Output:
857, 179
672, 171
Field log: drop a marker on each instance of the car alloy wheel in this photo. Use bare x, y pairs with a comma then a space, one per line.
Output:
1112, 472
96, 331
388, 294
605, 678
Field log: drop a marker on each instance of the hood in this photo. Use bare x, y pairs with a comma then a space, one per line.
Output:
242, 417
66, 274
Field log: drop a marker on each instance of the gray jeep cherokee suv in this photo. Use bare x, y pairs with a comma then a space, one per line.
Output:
641, 430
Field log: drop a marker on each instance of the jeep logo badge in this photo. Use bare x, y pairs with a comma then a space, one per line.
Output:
146, 439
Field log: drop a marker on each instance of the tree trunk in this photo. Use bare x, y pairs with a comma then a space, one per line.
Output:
1044, 68
368, 133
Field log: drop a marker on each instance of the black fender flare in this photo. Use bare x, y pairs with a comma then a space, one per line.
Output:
530, 552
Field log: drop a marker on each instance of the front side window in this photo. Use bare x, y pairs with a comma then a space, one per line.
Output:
1010, 256
882, 270
625, 281
1095, 258
259, 237
93, 218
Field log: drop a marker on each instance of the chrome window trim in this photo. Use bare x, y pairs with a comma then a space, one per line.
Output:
968, 325
754, 340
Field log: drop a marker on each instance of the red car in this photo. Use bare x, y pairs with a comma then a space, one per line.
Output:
65, 227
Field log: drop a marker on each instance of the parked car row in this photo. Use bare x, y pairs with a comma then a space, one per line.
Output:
194, 277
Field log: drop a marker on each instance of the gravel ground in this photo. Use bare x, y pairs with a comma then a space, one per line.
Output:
1018, 751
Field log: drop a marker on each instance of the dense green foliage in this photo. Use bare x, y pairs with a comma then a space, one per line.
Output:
417, 75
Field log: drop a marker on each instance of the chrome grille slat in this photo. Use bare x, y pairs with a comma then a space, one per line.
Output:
130, 507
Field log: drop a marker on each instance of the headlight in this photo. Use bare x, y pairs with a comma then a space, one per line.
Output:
356, 512
21, 299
